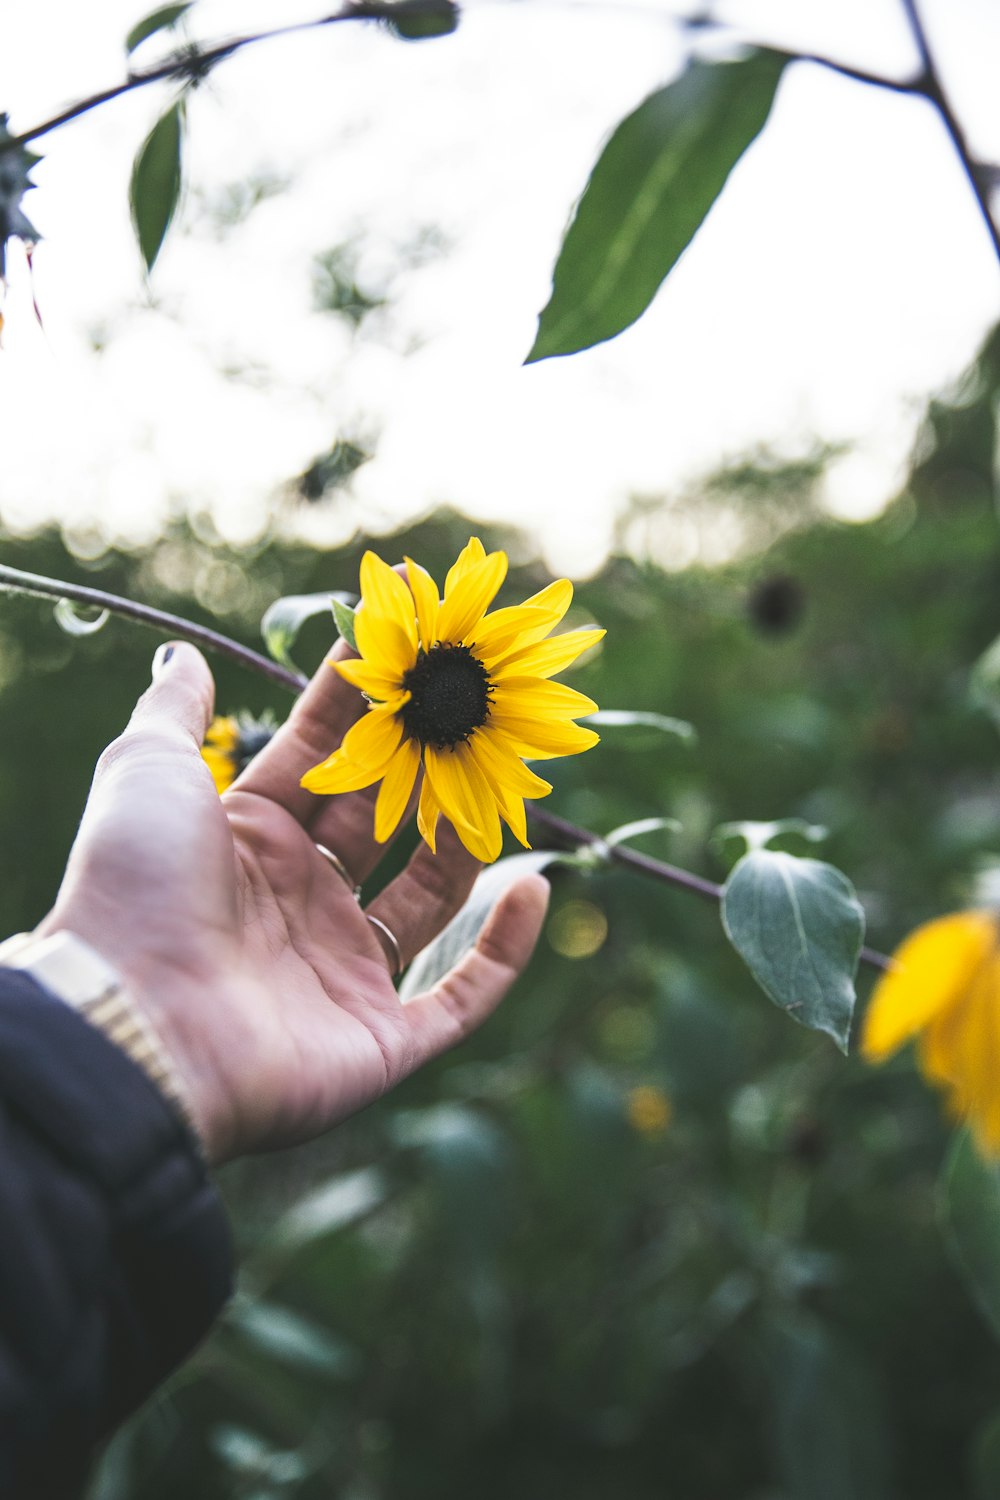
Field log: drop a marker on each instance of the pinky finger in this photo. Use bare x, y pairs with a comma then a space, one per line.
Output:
470, 992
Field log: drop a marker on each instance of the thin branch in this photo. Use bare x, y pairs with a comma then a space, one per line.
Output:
569, 836
914, 85
195, 62
933, 90
14, 581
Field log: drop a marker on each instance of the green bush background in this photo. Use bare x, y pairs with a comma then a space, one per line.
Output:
503, 1287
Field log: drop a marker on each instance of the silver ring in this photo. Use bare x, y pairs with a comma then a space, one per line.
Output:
393, 943
341, 869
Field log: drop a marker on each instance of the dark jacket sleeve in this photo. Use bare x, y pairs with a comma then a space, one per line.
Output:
114, 1248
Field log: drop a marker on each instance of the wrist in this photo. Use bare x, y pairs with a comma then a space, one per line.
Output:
74, 971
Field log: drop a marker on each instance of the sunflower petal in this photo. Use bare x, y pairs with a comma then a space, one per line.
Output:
427, 815
360, 675
473, 552
394, 793
536, 696
470, 598
367, 748
500, 631
507, 777
466, 800
498, 759
933, 969
546, 658
555, 598
385, 595
385, 646
425, 597
960, 1048
536, 740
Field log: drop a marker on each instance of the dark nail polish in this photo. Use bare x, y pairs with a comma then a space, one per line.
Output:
160, 658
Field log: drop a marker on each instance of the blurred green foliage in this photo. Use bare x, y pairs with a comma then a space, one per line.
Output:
516, 1276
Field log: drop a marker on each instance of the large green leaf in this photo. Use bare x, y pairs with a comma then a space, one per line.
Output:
653, 184
156, 182
970, 1209
798, 926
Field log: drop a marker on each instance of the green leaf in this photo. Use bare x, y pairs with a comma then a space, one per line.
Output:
333, 1206
80, 619
158, 20
156, 183
343, 618
462, 931
798, 926
625, 718
420, 20
970, 1213
829, 1430
288, 1337
652, 187
284, 619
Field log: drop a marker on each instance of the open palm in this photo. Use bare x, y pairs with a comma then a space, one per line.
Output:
248, 951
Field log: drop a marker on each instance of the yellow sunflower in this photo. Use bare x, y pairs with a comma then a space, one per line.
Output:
944, 990
461, 693
231, 742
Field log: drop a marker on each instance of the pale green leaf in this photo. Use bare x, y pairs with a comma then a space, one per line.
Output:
462, 931
627, 718
156, 183
284, 619
333, 1206
798, 926
626, 831
286, 1336
652, 187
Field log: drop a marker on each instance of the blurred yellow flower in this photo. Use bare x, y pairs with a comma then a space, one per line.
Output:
231, 742
461, 693
649, 1110
944, 990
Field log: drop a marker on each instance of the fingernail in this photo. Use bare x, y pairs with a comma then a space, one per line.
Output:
163, 655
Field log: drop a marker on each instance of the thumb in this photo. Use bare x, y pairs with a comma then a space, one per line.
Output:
181, 696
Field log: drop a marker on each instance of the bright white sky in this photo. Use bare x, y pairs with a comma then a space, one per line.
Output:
844, 275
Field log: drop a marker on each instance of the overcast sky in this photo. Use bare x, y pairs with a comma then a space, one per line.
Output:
843, 276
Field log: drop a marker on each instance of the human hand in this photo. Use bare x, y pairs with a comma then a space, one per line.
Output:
250, 955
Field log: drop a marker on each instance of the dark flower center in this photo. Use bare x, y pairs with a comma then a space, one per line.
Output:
450, 695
